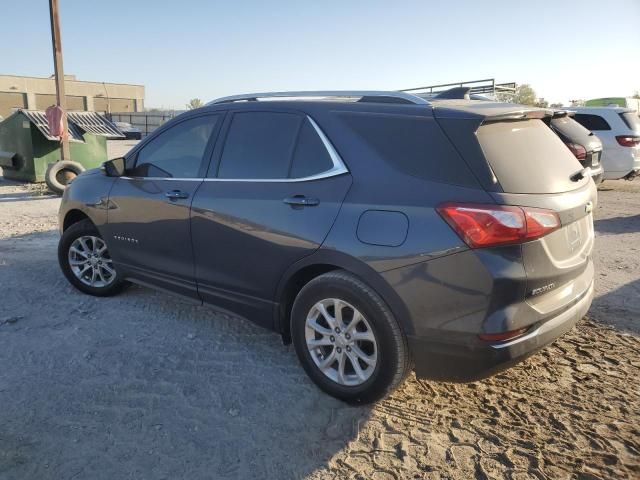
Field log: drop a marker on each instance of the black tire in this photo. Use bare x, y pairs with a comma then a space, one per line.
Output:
60, 174
75, 231
393, 359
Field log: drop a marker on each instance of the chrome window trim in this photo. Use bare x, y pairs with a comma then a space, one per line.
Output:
338, 167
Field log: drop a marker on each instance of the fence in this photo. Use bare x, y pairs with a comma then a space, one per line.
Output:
147, 122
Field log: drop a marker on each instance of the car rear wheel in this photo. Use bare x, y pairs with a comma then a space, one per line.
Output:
347, 339
85, 261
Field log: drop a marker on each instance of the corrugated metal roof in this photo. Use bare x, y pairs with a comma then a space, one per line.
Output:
96, 124
39, 119
79, 122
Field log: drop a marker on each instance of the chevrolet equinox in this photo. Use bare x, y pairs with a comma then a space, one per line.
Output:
377, 231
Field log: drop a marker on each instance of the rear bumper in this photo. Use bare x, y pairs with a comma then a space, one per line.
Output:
470, 360
597, 174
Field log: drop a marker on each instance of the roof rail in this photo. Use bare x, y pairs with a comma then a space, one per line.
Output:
370, 95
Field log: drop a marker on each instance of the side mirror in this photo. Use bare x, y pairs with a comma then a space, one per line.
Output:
114, 168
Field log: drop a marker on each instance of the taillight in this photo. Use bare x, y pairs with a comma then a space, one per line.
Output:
490, 225
578, 150
628, 140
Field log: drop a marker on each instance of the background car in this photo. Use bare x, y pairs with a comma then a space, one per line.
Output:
618, 129
584, 144
130, 132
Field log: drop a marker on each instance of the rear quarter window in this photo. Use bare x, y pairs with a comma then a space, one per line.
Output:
413, 145
632, 120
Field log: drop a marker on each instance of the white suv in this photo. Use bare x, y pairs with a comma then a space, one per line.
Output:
619, 130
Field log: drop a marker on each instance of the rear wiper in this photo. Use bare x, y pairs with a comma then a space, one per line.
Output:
585, 172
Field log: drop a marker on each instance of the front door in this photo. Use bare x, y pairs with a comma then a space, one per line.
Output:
148, 218
269, 200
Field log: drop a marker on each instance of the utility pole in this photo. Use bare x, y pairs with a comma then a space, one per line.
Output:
56, 41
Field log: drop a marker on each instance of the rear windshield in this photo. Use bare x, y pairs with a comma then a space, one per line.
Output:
527, 157
571, 129
632, 120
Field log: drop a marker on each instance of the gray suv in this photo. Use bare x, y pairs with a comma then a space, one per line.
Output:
375, 230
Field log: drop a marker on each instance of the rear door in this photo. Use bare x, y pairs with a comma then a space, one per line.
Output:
269, 199
535, 169
148, 230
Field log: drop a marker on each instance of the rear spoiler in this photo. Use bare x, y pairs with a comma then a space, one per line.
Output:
484, 111
563, 113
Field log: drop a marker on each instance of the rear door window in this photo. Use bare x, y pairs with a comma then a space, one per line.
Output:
592, 122
311, 156
259, 145
272, 146
527, 157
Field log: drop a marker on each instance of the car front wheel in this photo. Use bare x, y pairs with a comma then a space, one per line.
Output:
85, 261
347, 339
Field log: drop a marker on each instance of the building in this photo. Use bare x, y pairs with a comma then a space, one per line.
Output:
38, 93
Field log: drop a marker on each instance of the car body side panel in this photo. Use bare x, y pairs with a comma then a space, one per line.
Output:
245, 236
89, 195
148, 234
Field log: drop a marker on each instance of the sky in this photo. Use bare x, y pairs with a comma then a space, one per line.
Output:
565, 49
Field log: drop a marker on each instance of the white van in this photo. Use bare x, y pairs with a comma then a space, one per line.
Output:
619, 130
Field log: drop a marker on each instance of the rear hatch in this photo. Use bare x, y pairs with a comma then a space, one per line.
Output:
583, 143
531, 167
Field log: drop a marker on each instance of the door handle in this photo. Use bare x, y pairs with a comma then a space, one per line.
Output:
301, 201
176, 194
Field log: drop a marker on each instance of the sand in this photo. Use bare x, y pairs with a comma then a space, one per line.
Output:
146, 386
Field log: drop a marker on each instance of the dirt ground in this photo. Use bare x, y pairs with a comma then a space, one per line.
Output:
145, 386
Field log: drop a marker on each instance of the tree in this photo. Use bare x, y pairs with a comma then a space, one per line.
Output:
524, 95
577, 103
194, 103
556, 105
637, 94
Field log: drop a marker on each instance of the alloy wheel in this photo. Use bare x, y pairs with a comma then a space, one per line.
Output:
90, 261
341, 342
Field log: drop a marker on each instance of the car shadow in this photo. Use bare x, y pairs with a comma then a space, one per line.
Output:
622, 224
619, 307
156, 384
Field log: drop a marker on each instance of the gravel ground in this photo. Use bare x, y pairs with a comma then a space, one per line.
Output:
145, 386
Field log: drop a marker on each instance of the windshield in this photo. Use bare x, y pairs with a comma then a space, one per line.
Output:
527, 157
632, 120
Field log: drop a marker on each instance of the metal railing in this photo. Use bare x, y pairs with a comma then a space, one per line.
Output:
147, 122
484, 86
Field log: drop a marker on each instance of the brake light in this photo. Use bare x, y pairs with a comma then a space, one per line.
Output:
578, 150
490, 225
628, 140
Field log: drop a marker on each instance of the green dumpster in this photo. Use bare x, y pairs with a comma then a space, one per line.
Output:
27, 148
